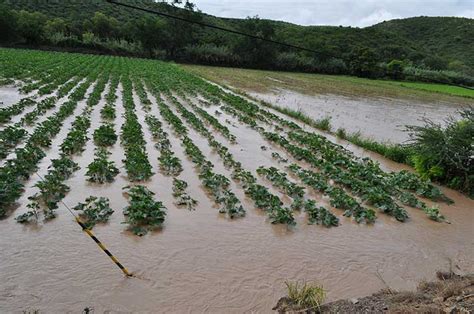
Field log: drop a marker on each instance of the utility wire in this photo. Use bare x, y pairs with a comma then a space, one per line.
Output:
211, 26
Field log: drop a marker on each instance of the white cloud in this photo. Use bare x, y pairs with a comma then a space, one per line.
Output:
336, 12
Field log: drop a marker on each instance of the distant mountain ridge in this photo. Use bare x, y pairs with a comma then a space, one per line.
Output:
437, 42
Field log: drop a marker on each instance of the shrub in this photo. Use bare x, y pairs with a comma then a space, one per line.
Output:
210, 54
445, 153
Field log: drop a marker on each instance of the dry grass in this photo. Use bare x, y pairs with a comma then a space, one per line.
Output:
305, 295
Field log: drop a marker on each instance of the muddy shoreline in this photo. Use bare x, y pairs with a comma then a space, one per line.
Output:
450, 293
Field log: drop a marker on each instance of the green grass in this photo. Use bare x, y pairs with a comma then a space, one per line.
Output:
440, 88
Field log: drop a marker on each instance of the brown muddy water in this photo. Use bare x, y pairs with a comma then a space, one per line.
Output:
202, 262
379, 118
9, 95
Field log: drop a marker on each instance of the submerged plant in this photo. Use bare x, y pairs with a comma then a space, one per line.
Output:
320, 215
105, 135
94, 210
143, 213
182, 198
101, 170
170, 164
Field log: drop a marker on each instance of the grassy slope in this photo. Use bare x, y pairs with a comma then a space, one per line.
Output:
264, 81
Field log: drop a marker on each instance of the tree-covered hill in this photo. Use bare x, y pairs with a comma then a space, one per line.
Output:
421, 48
448, 37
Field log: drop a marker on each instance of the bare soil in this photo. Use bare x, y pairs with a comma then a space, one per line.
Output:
451, 293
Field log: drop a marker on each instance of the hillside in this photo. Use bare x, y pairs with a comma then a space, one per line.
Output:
448, 37
429, 43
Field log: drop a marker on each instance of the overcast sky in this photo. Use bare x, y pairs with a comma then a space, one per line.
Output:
336, 12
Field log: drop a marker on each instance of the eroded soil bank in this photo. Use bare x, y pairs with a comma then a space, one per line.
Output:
451, 293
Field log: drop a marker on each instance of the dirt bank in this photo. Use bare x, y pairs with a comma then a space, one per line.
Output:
451, 293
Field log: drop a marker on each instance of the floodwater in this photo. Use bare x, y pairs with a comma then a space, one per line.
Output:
382, 119
9, 95
202, 262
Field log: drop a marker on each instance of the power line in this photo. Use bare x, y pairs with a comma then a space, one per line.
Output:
211, 26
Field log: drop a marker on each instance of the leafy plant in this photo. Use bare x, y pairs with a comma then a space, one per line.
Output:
320, 215
10, 136
182, 198
105, 135
170, 164
95, 210
101, 170
144, 213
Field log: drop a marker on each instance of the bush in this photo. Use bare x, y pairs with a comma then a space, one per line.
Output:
446, 77
445, 153
210, 54
395, 69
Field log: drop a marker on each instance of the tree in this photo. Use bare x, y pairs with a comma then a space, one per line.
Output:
103, 26
257, 53
395, 69
56, 25
151, 32
180, 33
435, 63
31, 26
363, 62
7, 24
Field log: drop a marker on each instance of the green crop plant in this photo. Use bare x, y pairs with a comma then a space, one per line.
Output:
182, 198
170, 164
94, 210
101, 170
320, 215
7, 113
10, 136
105, 135
77, 136
143, 213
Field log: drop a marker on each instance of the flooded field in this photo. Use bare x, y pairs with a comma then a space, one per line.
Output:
202, 260
382, 119
10, 95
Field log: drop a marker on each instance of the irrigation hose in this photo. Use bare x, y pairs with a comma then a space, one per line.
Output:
93, 237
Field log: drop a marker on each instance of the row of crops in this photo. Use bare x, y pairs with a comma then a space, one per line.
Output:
62, 91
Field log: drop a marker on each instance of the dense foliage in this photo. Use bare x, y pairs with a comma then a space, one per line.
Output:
446, 153
423, 48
